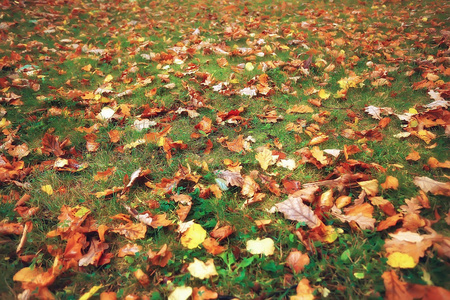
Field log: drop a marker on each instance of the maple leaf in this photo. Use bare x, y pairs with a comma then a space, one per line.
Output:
231, 178
51, 145
294, 209
395, 289
237, 145
432, 186
202, 270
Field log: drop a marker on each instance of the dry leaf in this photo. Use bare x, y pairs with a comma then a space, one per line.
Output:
265, 246
395, 289
303, 291
265, 158
193, 237
390, 183
202, 270
432, 186
294, 209
297, 261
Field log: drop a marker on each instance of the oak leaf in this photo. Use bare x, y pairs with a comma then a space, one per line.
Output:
265, 158
294, 209
395, 289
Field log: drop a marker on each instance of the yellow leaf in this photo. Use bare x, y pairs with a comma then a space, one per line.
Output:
265, 158
47, 189
370, 187
323, 94
91, 292
249, 66
258, 246
401, 260
194, 236
27, 274
413, 111
181, 293
108, 78
202, 270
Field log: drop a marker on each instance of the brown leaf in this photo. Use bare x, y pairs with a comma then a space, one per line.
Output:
414, 155
141, 277
131, 231
160, 221
11, 228
222, 232
370, 187
297, 261
203, 293
300, 109
434, 163
129, 249
294, 209
250, 187
237, 145
160, 258
94, 254
212, 246
51, 145
395, 289
389, 222
114, 135
432, 186
105, 174
318, 139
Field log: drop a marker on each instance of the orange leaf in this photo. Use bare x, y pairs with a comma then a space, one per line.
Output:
131, 231
212, 246
105, 174
390, 183
395, 289
318, 139
389, 222
129, 249
304, 291
141, 277
203, 294
222, 232
297, 261
114, 135
237, 145
414, 155
160, 258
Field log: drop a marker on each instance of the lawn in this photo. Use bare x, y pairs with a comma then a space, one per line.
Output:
224, 149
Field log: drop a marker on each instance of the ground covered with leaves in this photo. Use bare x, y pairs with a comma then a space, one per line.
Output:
224, 149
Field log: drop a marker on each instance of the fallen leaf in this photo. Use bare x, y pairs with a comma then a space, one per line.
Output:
294, 209
401, 260
47, 189
414, 155
202, 270
143, 278
212, 246
370, 187
193, 237
297, 261
131, 231
203, 293
181, 293
432, 186
91, 292
395, 289
390, 183
265, 158
303, 291
129, 249
265, 246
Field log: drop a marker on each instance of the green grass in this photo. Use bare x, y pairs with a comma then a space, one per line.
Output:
363, 39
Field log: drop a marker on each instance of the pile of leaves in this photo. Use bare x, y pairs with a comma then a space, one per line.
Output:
219, 150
